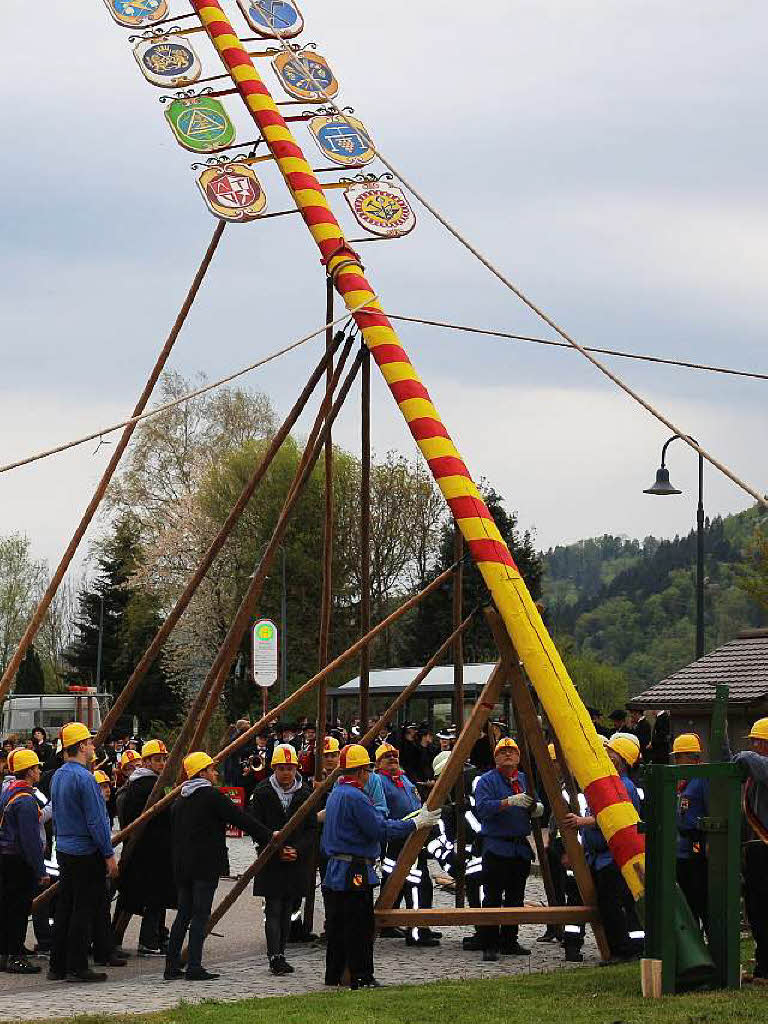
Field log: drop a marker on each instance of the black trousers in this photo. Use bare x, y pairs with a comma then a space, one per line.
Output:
349, 930
692, 879
504, 881
277, 921
82, 881
417, 892
756, 900
151, 932
17, 889
103, 941
617, 910
195, 902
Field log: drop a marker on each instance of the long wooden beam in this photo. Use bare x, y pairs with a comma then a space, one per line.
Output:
485, 915
615, 814
45, 601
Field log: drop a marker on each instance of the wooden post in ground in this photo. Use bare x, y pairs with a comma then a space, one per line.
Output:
528, 722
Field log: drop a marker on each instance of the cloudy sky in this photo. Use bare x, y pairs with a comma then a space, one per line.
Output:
610, 157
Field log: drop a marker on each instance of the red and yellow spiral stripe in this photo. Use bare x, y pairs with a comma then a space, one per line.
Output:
583, 749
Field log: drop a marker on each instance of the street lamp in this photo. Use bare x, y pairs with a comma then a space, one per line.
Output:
283, 619
662, 486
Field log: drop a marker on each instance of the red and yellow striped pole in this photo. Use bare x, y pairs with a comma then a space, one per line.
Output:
584, 751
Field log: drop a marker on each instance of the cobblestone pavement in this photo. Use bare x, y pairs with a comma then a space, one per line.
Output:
238, 952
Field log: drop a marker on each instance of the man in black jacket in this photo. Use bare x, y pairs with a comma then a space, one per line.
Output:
199, 821
285, 878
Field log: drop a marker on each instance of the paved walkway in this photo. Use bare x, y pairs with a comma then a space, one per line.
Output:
239, 954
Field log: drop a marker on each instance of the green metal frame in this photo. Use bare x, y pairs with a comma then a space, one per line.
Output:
665, 918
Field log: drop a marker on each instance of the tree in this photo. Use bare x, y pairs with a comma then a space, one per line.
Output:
754, 573
599, 685
127, 617
22, 579
30, 678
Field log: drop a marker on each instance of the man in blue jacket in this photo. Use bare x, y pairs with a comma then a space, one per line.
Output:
504, 804
402, 798
22, 867
85, 855
352, 837
615, 901
692, 806
754, 764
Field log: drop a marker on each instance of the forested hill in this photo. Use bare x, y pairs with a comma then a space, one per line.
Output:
632, 603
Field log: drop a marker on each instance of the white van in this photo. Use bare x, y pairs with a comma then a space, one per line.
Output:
21, 714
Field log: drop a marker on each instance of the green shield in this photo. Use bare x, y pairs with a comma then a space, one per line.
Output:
200, 124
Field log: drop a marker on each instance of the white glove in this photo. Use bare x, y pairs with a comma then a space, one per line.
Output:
519, 800
537, 811
424, 818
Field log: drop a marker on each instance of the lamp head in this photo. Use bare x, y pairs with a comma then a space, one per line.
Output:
662, 485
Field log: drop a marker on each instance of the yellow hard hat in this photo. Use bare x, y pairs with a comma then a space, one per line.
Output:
386, 748
153, 747
330, 745
687, 743
127, 757
759, 730
101, 777
196, 762
74, 732
283, 754
505, 741
354, 756
625, 748
21, 759
552, 751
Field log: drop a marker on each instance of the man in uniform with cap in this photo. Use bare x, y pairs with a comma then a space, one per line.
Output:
692, 805
146, 876
352, 838
402, 798
199, 822
22, 867
84, 852
754, 764
505, 803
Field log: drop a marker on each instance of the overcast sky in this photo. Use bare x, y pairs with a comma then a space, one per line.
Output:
609, 157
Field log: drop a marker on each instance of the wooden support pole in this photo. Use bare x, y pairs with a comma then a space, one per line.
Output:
528, 722
270, 716
459, 794
365, 532
149, 656
207, 700
50, 592
437, 796
326, 603
529, 914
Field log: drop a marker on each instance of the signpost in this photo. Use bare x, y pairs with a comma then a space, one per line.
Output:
264, 656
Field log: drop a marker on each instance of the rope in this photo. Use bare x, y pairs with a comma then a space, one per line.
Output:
177, 401
562, 344
605, 370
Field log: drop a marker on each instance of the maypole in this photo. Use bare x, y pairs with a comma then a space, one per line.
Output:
584, 751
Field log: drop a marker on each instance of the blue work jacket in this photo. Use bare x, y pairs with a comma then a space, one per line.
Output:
401, 800
80, 821
503, 829
353, 827
20, 829
692, 804
596, 848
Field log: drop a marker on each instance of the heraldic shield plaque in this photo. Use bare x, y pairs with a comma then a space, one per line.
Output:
381, 209
342, 139
232, 192
135, 13
168, 60
200, 124
272, 19
305, 76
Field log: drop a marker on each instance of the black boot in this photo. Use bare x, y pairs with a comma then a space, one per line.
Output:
172, 970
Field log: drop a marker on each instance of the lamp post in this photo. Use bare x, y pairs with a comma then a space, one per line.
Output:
283, 620
100, 644
662, 486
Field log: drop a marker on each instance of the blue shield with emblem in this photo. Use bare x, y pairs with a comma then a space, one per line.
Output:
342, 139
273, 18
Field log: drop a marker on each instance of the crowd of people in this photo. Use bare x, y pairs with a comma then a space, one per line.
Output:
59, 802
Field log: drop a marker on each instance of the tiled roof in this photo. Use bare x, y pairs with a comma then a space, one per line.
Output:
742, 664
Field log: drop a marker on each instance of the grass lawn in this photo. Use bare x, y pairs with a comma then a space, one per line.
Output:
585, 996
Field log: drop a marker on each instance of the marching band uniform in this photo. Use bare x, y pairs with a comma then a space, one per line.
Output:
691, 851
